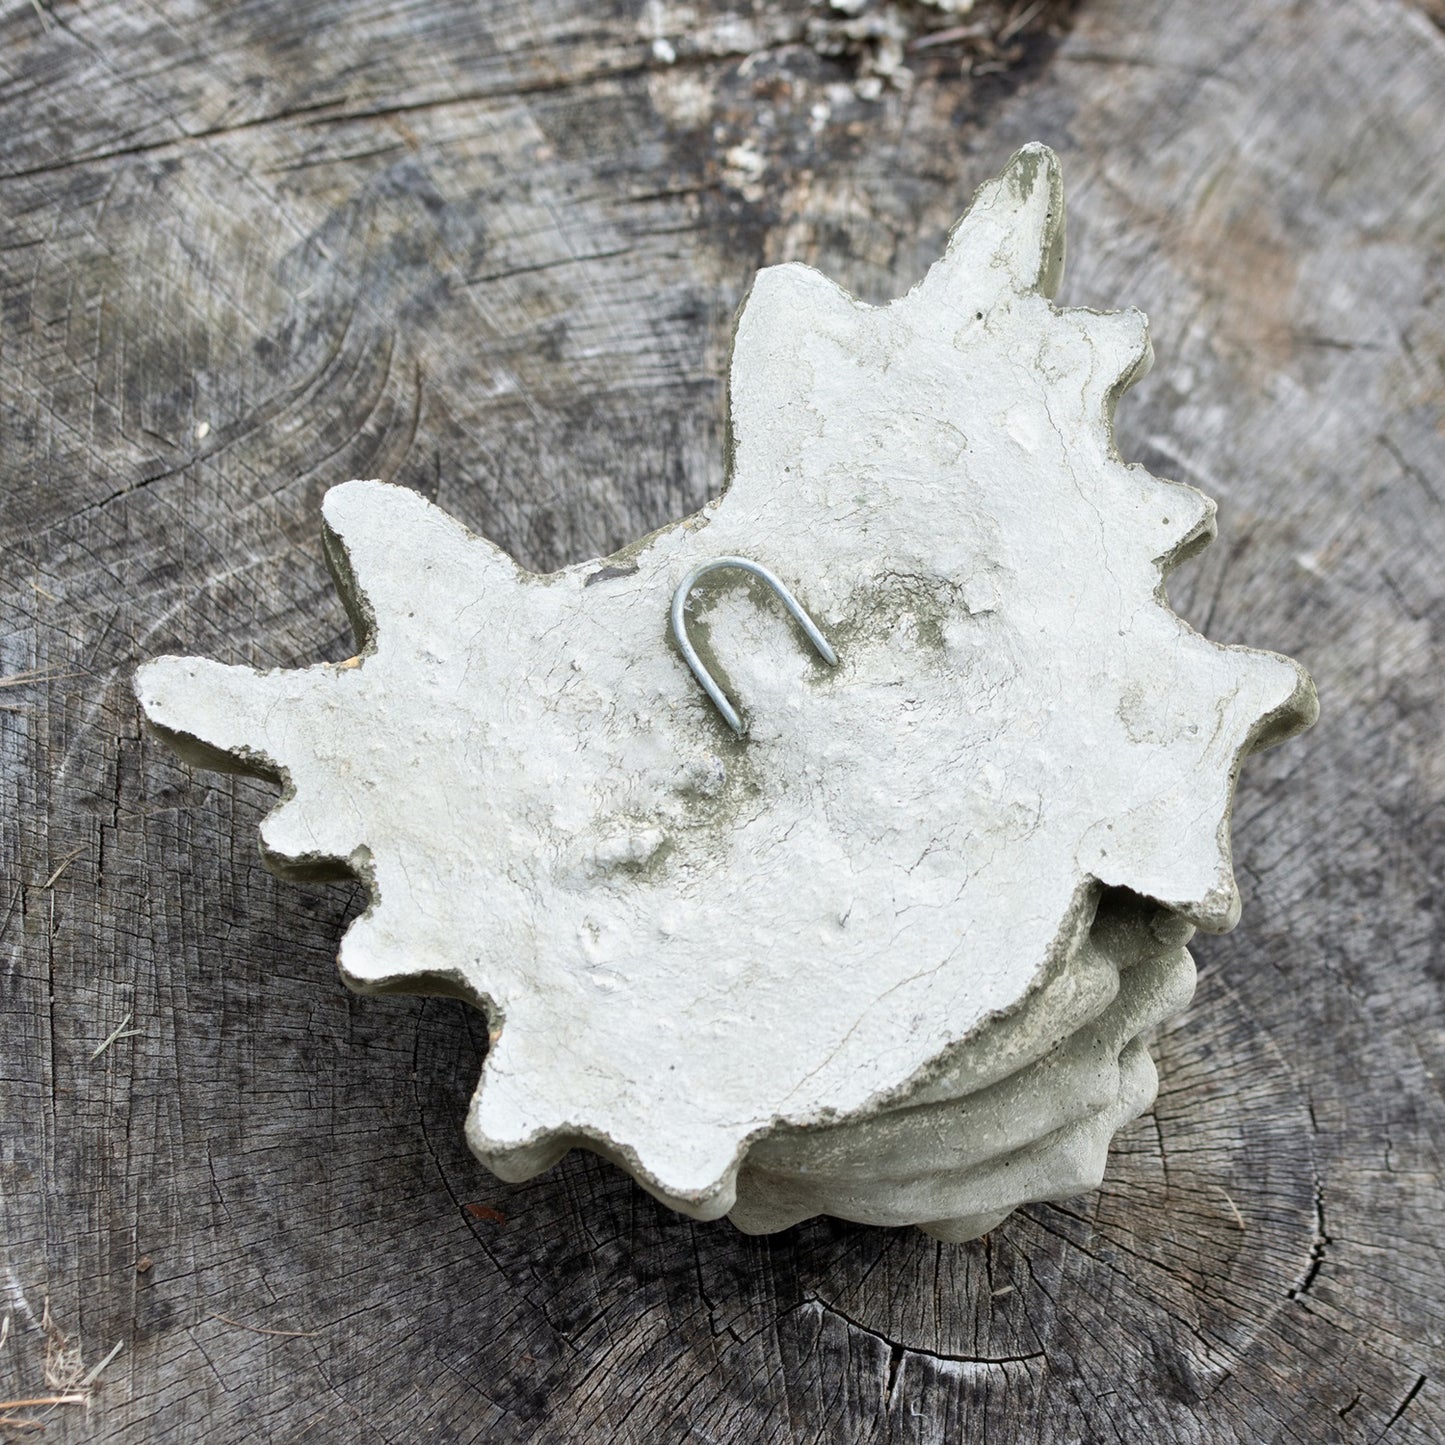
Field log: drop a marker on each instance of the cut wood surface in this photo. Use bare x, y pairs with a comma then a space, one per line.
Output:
492, 252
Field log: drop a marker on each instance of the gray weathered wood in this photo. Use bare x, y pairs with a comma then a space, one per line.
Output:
492, 252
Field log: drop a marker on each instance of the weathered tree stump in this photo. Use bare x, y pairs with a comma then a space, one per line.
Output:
493, 253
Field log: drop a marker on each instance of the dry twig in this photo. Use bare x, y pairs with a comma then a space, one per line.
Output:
64, 1373
62, 1359
1018, 22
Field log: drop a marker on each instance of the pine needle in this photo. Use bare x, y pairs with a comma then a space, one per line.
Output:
256, 1329
119, 1032
93, 1374
64, 864
36, 674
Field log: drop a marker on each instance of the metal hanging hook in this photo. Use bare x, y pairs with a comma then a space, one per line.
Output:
689, 652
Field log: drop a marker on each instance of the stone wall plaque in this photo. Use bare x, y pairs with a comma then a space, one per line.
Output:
875, 929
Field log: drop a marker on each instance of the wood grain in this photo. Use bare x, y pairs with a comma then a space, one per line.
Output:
492, 251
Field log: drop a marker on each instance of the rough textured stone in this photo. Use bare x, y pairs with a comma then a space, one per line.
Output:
684, 940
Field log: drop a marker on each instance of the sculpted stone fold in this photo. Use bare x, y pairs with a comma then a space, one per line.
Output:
965, 1148
689, 944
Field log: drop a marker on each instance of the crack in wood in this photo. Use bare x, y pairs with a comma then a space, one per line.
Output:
822, 1306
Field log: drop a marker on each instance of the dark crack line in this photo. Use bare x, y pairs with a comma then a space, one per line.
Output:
1318, 1246
897, 1349
1403, 1406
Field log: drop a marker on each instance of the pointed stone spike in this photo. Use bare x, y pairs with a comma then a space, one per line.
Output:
1121, 351
1010, 241
797, 289
383, 542
213, 714
784, 302
1186, 512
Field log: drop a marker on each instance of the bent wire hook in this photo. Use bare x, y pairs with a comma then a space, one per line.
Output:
689, 652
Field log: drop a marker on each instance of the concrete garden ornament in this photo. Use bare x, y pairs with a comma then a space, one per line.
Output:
830, 850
